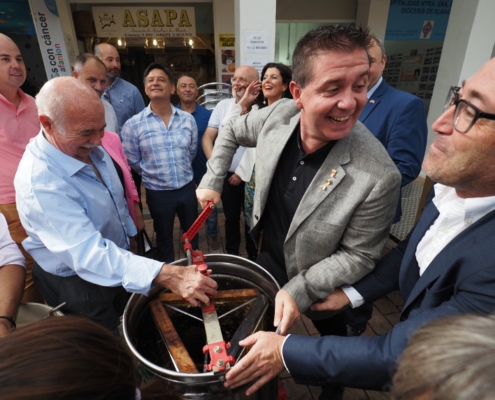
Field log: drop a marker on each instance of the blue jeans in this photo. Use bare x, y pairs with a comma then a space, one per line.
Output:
163, 205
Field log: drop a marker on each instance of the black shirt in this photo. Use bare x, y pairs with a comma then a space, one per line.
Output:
293, 174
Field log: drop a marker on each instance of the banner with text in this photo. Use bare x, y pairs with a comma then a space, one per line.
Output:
144, 21
418, 19
50, 38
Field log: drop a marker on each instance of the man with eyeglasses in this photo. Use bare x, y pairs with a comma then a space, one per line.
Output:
445, 267
233, 185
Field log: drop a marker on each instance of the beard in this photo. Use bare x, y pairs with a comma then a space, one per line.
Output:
113, 73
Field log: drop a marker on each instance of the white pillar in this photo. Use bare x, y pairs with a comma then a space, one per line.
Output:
373, 14
223, 22
469, 43
255, 32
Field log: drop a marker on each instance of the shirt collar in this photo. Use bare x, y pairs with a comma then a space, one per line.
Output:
69, 164
115, 82
193, 112
322, 150
375, 86
148, 110
474, 207
22, 104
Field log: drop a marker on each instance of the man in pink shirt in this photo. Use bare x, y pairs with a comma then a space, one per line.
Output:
18, 124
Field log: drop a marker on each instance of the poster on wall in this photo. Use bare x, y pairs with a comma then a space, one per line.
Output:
411, 68
228, 65
257, 48
144, 21
50, 38
226, 40
418, 19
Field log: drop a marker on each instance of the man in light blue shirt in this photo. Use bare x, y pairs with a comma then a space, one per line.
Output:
160, 143
122, 95
72, 205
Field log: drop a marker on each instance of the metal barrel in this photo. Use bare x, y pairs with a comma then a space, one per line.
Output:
230, 272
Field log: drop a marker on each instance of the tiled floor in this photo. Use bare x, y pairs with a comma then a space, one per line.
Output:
385, 316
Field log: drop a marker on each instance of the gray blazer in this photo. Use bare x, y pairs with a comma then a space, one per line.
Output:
338, 233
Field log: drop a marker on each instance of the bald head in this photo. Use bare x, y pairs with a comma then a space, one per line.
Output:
72, 117
110, 57
243, 76
249, 72
60, 99
12, 69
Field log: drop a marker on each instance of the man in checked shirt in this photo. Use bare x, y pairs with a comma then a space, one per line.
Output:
160, 143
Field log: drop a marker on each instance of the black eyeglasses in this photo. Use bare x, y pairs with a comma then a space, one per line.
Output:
465, 115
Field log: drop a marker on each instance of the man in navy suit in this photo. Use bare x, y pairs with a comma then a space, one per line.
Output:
445, 267
398, 120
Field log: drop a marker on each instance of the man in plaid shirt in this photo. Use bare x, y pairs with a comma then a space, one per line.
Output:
160, 143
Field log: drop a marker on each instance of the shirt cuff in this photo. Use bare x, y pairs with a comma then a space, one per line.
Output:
354, 297
282, 352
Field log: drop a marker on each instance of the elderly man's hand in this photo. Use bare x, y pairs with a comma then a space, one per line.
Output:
263, 362
286, 311
250, 95
333, 302
187, 282
206, 195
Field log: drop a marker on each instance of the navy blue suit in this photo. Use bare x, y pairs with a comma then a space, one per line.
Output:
398, 120
461, 279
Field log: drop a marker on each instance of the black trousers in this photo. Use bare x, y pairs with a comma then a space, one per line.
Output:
163, 205
233, 202
101, 304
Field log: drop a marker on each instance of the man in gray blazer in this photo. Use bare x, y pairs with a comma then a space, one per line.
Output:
326, 189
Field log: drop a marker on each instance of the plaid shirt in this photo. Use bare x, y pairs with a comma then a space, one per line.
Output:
161, 155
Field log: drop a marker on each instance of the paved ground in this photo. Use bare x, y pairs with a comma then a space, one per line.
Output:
385, 315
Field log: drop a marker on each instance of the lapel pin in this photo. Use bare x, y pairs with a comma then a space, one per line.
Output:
372, 101
328, 182
333, 174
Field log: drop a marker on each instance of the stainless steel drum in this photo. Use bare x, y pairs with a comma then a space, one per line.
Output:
143, 338
32, 312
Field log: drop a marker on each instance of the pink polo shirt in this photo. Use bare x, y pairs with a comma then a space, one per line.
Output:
17, 127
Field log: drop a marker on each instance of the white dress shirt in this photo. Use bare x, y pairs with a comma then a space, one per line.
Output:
455, 215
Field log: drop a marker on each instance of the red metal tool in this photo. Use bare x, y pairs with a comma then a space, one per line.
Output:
220, 361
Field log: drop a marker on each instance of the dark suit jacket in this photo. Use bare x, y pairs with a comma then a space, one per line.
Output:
398, 121
461, 279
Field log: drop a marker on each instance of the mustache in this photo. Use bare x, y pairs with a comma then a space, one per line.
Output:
89, 146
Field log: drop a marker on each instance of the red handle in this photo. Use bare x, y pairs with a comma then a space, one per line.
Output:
196, 226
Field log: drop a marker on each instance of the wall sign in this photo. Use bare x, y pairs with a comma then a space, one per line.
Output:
418, 19
144, 21
50, 38
227, 40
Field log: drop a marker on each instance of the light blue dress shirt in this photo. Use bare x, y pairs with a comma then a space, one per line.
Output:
75, 223
125, 99
161, 155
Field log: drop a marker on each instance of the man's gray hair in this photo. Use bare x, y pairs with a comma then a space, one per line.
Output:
56, 95
450, 358
83, 58
98, 51
380, 44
